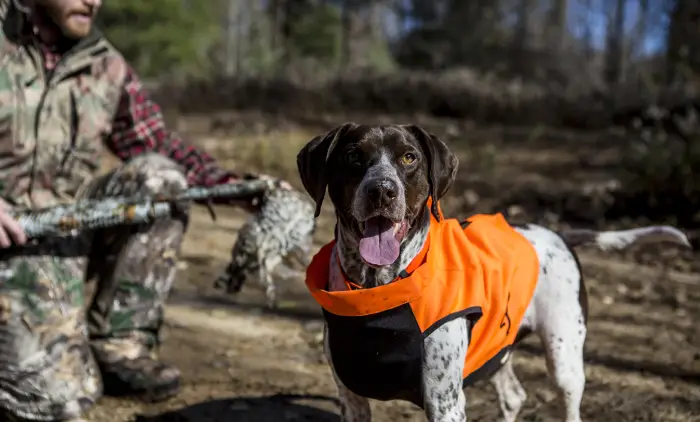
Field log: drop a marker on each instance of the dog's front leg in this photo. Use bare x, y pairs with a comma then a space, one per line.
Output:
353, 408
445, 351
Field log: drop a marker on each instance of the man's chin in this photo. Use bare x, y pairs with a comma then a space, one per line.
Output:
76, 32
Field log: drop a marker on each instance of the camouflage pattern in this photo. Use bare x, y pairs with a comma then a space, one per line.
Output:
72, 219
65, 113
46, 368
47, 365
51, 128
134, 269
282, 230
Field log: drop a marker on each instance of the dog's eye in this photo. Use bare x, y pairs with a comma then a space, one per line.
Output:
353, 157
408, 158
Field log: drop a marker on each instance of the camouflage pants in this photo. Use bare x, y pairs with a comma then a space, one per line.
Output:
51, 344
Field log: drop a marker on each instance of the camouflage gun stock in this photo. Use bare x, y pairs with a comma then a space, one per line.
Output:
70, 219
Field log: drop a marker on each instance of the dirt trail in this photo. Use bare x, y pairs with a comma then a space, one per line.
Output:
242, 363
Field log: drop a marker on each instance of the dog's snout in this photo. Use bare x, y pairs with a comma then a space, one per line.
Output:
382, 193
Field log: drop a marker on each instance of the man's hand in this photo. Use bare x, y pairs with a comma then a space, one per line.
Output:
11, 232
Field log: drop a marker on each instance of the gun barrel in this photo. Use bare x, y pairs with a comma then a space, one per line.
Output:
68, 220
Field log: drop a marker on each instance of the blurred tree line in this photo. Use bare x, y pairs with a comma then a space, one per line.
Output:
596, 43
577, 63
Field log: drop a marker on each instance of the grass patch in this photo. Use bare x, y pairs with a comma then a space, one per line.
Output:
274, 152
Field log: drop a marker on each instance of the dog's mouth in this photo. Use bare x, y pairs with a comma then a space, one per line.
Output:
380, 243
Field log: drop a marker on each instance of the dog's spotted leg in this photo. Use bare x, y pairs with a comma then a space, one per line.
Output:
559, 317
565, 365
353, 408
445, 352
511, 394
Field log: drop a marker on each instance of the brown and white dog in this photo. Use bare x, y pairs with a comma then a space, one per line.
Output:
379, 179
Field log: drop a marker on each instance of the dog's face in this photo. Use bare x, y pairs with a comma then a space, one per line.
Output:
379, 179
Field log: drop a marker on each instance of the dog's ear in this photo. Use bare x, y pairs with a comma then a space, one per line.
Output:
312, 162
442, 164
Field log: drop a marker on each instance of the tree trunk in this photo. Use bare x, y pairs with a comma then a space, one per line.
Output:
615, 56
522, 34
345, 33
556, 26
683, 63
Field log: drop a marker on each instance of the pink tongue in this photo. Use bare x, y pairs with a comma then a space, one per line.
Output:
378, 245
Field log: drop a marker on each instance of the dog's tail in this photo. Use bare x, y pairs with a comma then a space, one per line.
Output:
621, 239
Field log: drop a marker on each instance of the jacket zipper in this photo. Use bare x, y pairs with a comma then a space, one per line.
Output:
47, 79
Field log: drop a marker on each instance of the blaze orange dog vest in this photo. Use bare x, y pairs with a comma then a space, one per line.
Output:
481, 269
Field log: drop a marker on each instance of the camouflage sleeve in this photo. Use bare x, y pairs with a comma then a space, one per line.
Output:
139, 127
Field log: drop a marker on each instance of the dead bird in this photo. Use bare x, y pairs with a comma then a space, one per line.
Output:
282, 230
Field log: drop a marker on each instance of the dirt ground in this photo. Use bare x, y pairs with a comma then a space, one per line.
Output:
241, 362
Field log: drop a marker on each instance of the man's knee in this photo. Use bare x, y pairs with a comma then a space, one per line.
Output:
117, 252
157, 174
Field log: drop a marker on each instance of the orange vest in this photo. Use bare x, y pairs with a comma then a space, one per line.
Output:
481, 269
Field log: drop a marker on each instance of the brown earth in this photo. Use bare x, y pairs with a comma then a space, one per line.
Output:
241, 362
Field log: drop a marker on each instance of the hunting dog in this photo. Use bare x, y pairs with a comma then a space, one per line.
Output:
385, 183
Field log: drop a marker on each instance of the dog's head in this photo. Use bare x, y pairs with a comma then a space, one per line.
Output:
379, 179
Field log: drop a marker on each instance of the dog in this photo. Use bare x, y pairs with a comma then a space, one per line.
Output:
281, 230
385, 183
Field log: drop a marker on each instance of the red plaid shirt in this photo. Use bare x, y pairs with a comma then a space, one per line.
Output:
139, 127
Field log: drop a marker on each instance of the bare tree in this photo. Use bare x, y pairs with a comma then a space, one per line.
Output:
522, 31
232, 44
587, 30
639, 32
557, 26
683, 44
345, 33
615, 44
275, 11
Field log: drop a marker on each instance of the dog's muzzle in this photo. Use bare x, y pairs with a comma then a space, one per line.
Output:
381, 194
381, 216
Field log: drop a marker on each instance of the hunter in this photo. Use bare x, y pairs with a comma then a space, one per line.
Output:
67, 98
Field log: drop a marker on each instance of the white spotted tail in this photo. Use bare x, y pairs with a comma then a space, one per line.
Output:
621, 239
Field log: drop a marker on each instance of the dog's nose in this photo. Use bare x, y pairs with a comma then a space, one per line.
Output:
382, 194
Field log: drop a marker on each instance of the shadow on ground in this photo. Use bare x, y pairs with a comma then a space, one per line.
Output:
631, 366
248, 409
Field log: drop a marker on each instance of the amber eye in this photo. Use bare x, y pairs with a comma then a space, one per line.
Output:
408, 158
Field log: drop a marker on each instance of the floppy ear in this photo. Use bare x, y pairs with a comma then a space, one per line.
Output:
442, 164
312, 162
